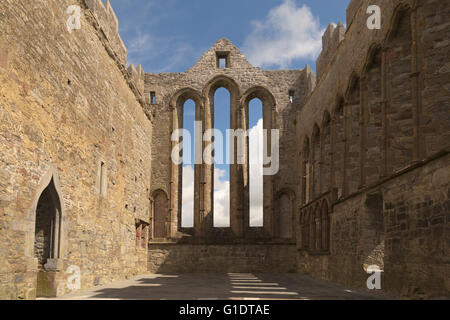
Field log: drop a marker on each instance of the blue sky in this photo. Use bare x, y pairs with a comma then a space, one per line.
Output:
171, 35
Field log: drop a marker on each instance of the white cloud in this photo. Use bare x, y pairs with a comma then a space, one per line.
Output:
221, 199
222, 188
289, 32
256, 174
162, 54
187, 215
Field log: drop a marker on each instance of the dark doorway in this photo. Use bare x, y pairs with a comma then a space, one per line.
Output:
47, 240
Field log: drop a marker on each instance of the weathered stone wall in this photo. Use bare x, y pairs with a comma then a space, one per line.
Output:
401, 225
378, 121
67, 104
185, 258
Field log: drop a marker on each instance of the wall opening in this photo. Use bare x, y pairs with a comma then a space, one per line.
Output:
188, 168
47, 240
223, 60
291, 95
256, 178
142, 234
153, 97
373, 231
399, 113
353, 137
222, 120
373, 123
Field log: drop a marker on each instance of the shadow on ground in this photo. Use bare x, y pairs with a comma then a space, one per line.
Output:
224, 287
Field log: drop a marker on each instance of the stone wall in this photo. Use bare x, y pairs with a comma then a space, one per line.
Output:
187, 258
374, 135
70, 113
401, 225
244, 82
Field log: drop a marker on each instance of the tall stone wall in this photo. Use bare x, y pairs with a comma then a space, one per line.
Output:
67, 105
372, 137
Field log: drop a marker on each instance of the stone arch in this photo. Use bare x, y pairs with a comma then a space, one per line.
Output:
326, 152
352, 136
269, 113
371, 117
315, 160
285, 213
46, 244
394, 24
236, 172
177, 103
221, 81
185, 94
161, 217
50, 178
398, 92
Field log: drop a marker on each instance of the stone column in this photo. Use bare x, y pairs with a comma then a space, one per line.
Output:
236, 172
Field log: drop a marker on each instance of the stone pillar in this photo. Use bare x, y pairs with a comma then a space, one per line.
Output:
236, 172
206, 214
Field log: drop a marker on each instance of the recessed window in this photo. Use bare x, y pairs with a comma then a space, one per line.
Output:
153, 97
291, 95
223, 60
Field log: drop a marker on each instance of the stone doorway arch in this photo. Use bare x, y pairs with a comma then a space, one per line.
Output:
47, 235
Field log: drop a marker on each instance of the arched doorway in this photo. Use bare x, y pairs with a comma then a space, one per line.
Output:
47, 237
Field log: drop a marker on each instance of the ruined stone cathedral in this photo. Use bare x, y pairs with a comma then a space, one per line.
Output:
87, 180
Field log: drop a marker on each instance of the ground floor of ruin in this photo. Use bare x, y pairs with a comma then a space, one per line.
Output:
229, 286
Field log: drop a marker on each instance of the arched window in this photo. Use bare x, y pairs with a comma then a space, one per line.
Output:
222, 119
372, 117
188, 168
255, 176
353, 147
187, 113
398, 87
